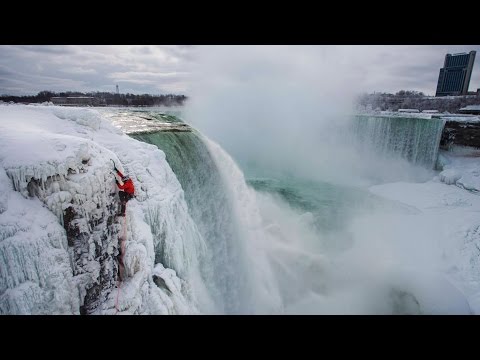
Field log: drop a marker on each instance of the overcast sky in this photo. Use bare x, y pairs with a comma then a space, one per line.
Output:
28, 69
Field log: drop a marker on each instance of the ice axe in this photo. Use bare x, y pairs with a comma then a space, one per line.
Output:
114, 165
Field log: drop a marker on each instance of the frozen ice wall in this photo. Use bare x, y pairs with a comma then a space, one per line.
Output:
59, 236
36, 275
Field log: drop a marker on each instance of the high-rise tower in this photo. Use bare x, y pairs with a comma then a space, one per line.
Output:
454, 77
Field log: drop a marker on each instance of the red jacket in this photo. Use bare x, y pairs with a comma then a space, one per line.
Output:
127, 186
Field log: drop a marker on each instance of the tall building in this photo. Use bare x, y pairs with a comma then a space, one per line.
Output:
454, 77
117, 90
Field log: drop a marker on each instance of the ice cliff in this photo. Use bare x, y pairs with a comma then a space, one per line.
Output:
59, 233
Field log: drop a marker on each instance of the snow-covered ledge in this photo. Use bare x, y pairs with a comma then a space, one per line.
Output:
58, 229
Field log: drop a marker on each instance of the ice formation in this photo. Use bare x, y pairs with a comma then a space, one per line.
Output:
59, 236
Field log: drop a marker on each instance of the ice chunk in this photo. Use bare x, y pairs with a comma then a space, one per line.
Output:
449, 176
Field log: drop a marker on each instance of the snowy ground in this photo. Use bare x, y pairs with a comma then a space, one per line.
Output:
461, 167
443, 238
66, 152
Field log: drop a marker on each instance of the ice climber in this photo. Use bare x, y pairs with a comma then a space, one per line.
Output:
128, 190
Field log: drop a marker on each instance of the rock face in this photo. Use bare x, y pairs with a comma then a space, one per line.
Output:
102, 257
86, 201
460, 133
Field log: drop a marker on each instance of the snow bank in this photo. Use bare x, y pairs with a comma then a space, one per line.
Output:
440, 245
58, 162
461, 167
461, 118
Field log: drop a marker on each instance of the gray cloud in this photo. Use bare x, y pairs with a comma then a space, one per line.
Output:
27, 69
48, 49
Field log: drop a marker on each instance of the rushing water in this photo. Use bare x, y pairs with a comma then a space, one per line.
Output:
211, 209
272, 237
414, 139
326, 208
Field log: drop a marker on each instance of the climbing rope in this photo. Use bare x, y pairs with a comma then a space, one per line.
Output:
121, 265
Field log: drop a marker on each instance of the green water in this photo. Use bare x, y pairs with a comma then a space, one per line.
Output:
172, 116
210, 206
413, 139
332, 206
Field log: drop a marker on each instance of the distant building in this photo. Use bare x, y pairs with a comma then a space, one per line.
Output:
408, 110
454, 77
76, 101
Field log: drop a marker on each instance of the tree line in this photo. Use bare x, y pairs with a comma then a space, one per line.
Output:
103, 98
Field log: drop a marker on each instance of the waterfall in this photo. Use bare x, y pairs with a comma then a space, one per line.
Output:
245, 267
214, 194
199, 238
415, 139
